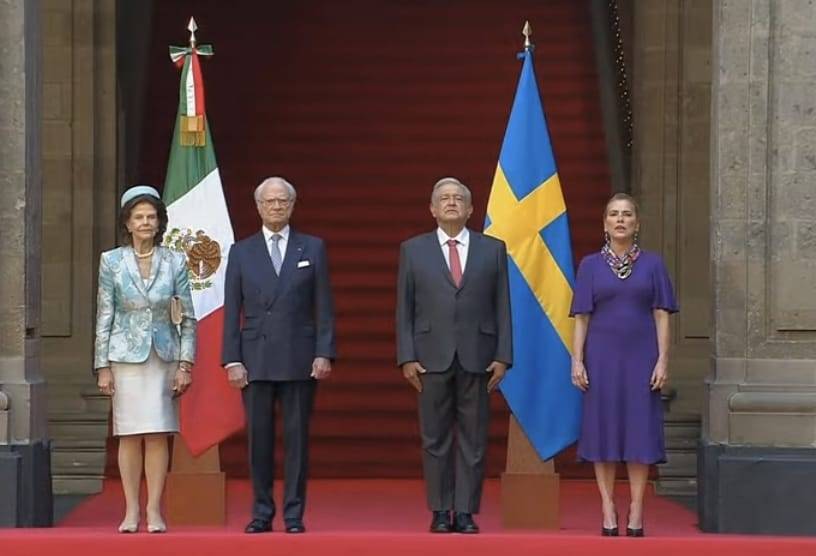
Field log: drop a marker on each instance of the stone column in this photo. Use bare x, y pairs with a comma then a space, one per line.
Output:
757, 457
25, 455
79, 167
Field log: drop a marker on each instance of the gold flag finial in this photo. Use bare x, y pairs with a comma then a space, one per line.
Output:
192, 27
527, 31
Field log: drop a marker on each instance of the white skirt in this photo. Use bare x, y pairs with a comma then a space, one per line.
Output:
143, 401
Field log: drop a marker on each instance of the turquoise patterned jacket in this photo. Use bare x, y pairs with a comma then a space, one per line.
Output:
132, 316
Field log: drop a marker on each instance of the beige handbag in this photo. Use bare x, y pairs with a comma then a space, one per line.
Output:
176, 312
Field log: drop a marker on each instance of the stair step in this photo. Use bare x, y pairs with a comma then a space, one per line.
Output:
78, 462
685, 459
77, 444
686, 486
682, 444
358, 398
79, 426
76, 484
361, 458
394, 426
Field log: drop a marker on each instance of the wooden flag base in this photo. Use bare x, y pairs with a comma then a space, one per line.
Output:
529, 486
196, 488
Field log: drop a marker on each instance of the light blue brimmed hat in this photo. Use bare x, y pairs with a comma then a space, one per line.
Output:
136, 191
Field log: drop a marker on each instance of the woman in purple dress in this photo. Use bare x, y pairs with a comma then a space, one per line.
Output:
622, 301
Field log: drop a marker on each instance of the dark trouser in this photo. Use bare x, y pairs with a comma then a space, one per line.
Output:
460, 396
296, 401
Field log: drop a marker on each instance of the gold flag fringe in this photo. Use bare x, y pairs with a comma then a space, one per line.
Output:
192, 131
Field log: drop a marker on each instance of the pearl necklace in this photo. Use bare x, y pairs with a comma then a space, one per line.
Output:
144, 255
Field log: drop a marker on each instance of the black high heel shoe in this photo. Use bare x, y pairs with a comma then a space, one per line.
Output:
631, 532
611, 531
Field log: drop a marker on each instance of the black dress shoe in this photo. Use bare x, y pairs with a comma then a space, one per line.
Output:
440, 523
463, 523
258, 526
635, 532
295, 527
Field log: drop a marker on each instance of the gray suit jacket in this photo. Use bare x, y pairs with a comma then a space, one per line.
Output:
436, 320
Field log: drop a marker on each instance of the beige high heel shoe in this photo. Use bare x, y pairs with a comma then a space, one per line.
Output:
129, 526
159, 527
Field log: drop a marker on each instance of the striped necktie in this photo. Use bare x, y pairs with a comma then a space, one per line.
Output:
274, 252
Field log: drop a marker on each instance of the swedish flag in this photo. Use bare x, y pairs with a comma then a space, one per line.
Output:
526, 209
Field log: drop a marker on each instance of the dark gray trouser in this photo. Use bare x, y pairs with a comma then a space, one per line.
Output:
296, 402
454, 398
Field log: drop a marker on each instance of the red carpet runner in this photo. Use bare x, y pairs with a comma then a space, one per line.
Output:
386, 518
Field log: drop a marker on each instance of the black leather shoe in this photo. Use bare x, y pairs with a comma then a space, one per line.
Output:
463, 523
258, 526
635, 532
295, 527
440, 523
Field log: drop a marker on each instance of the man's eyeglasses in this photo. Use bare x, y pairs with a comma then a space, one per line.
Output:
266, 203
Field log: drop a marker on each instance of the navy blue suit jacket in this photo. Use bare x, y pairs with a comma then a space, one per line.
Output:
288, 320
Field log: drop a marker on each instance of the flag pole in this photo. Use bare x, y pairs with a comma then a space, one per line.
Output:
195, 491
529, 485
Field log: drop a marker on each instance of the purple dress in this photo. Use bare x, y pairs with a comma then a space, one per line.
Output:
622, 417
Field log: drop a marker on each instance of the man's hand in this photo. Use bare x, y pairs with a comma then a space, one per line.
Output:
411, 372
237, 375
497, 370
321, 368
104, 380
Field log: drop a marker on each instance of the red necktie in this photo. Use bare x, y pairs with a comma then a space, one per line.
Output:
455, 263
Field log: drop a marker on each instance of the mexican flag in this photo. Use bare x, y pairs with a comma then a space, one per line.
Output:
199, 226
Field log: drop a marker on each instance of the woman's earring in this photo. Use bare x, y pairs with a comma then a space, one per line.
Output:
606, 237
636, 237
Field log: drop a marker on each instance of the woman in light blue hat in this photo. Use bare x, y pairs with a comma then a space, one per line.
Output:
143, 356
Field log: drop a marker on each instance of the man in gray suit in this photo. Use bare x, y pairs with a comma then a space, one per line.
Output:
454, 345
278, 281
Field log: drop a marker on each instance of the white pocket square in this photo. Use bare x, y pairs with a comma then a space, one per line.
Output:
303, 264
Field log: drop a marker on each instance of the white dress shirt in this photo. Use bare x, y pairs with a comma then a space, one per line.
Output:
462, 244
282, 242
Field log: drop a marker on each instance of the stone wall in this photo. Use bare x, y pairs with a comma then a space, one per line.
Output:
671, 84
79, 191
759, 434
764, 225
25, 494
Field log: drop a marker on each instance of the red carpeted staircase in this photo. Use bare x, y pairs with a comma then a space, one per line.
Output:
363, 105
